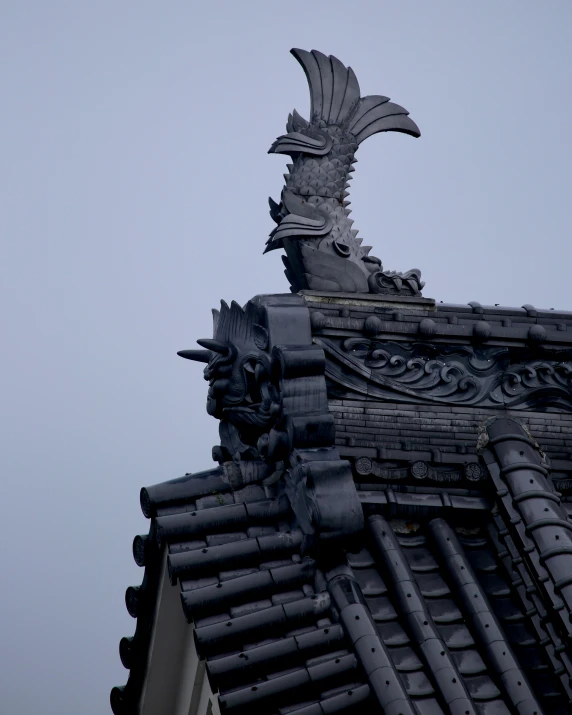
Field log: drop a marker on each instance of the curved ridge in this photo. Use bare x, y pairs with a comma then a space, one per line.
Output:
334, 89
376, 113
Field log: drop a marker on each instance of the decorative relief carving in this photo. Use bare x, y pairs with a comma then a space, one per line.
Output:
419, 470
474, 472
520, 382
462, 375
364, 466
275, 427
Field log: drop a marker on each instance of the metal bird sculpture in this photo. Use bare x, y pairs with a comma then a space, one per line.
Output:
323, 251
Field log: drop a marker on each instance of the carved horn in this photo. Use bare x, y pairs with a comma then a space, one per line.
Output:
214, 345
196, 355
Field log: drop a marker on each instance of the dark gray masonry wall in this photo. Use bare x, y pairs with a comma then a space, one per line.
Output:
452, 429
411, 383
399, 436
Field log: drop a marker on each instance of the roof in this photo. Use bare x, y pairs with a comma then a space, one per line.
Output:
382, 532
421, 615
382, 529
242, 578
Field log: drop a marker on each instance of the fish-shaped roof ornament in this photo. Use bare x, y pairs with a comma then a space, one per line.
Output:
323, 251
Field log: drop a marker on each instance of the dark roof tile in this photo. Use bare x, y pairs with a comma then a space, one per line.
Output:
411, 605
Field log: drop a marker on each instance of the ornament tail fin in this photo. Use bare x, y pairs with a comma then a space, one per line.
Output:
335, 99
375, 114
334, 89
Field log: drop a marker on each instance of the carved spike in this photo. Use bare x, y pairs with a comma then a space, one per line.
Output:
299, 122
326, 83
216, 318
274, 210
214, 345
354, 232
359, 241
346, 204
346, 91
350, 171
345, 193
196, 355
290, 167
366, 249
290, 275
312, 71
273, 244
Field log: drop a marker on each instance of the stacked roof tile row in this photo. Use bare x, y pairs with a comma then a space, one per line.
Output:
423, 616
265, 631
457, 595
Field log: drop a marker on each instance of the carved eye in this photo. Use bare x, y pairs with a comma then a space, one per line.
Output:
341, 249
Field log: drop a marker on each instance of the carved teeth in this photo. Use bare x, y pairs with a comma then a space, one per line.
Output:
355, 232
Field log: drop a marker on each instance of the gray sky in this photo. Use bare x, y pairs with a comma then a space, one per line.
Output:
133, 182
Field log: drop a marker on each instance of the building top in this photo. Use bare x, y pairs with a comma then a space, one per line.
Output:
426, 598
388, 527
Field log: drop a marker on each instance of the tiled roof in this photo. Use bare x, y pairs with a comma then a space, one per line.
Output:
416, 559
422, 615
266, 632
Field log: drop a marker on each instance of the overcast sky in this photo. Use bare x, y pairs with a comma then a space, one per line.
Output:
134, 181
